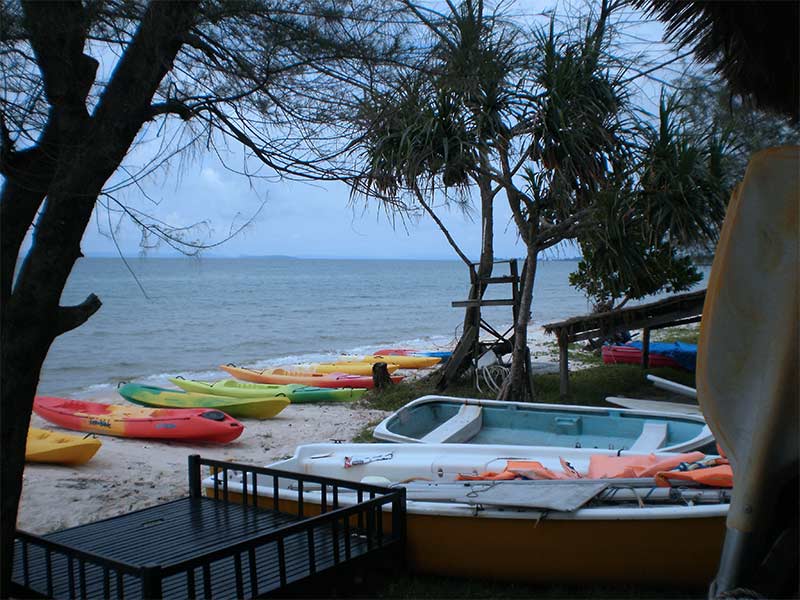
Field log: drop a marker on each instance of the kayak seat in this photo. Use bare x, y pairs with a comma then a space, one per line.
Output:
652, 437
462, 426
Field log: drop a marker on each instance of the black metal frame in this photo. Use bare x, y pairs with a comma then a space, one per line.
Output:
363, 519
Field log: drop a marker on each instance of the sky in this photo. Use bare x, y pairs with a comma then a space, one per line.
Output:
306, 220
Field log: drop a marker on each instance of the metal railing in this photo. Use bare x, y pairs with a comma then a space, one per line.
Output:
340, 525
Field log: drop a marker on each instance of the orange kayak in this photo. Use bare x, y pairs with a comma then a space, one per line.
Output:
187, 424
282, 376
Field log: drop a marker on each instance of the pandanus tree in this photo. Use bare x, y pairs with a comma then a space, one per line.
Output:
270, 79
550, 124
430, 129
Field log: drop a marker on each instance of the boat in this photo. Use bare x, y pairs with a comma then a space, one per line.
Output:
351, 368
282, 376
263, 407
388, 352
297, 394
401, 360
593, 530
442, 419
55, 447
190, 425
657, 405
624, 354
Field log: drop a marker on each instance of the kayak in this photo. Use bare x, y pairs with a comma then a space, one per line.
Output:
297, 394
263, 407
45, 446
351, 368
401, 360
443, 354
196, 425
282, 376
633, 356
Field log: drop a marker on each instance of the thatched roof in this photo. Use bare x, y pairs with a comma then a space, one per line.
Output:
754, 45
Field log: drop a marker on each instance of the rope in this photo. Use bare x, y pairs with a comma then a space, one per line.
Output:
493, 377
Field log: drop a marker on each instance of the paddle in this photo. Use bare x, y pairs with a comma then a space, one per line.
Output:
672, 386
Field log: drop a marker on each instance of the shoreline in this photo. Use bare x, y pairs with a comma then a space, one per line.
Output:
128, 474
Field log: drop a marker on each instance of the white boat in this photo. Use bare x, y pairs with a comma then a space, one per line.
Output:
443, 419
598, 531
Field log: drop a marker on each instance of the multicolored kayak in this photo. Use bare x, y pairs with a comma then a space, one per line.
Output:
45, 446
402, 360
282, 376
195, 425
297, 394
388, 352
253, 407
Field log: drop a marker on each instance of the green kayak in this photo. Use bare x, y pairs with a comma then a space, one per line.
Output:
298, 394
254, 407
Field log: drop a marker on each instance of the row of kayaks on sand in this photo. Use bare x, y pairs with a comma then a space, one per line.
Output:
203, 411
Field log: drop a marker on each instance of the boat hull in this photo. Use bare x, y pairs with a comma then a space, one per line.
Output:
664, 545
54, 447
264, 407
138, 422
439, 419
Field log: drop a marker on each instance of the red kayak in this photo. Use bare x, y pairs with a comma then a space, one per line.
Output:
185, 424
395, 352
633, 356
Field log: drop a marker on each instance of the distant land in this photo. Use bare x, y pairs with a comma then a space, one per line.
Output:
287, 257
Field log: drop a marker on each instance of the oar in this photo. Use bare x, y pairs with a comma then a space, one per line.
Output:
747, 375
672, 386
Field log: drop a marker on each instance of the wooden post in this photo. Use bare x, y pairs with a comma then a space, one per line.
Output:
563, 362
646, 348
380, 376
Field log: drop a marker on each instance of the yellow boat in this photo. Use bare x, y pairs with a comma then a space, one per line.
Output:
351, 368
45, 446
520, 531
404, 362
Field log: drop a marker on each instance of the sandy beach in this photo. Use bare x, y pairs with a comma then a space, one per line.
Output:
129, 474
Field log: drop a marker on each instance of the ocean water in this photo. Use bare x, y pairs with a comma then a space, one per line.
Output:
182, 316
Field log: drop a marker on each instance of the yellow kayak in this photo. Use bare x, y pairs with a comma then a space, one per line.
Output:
404, 362
62, 448
351, 368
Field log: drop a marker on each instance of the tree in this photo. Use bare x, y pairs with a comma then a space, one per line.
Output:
555, 131
650, 249
269, 76
430, 127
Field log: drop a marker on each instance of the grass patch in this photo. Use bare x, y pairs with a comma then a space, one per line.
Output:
588, 386
686, 334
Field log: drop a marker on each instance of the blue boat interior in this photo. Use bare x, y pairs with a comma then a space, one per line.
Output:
535, 426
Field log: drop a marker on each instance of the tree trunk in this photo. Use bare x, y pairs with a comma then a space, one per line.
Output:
515, 387
485, 266
93, 148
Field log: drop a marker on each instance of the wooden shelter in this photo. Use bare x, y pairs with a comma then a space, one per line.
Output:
680, 309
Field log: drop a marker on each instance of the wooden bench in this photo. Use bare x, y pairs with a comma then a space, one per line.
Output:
462, 426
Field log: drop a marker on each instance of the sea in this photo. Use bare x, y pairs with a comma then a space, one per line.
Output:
164, 317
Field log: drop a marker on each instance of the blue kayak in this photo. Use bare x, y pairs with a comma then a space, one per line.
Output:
682, 353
